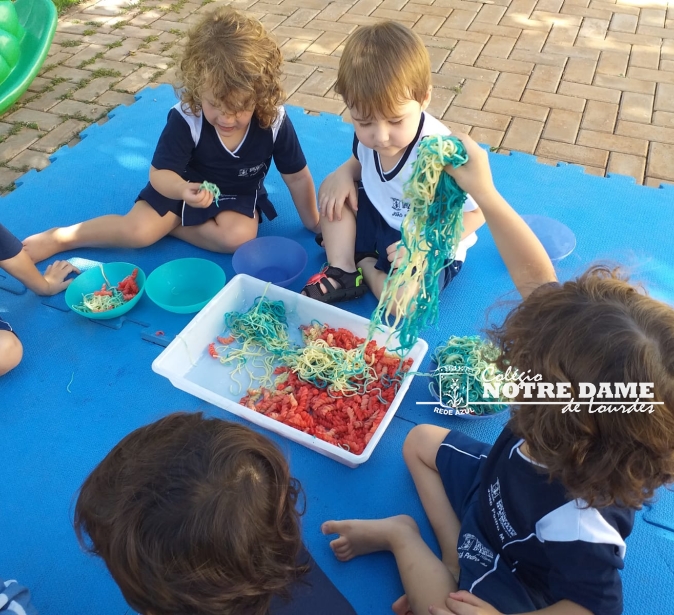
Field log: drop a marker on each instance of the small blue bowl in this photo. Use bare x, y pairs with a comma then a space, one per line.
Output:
185, 285
278, 260
92, 280
557, 238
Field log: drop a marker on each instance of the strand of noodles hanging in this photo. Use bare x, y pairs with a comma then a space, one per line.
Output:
431, 233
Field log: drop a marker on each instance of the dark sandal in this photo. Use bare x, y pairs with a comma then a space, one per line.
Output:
319, 240
351, 284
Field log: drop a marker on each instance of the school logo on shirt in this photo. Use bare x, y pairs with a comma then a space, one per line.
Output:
503, 527
400, 208
471, 548
251, 170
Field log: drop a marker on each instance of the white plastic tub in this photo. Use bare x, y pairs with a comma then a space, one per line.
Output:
186, 363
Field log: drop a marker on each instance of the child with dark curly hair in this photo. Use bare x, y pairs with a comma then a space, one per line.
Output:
225, 130
197, 515
537, 522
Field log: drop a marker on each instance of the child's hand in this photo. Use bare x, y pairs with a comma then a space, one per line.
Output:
474, 177
56, 275
395, 253
402, 606
464, 603
336, 190
194, 196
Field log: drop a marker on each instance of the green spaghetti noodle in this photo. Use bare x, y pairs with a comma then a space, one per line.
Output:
431, 233
212, 188
259, 339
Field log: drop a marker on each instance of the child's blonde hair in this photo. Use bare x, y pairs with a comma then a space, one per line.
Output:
383, 66
234, 56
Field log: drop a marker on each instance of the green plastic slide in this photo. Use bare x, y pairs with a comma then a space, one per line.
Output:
26, 31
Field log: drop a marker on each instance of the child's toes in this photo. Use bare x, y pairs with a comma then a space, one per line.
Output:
330, 527
338, 545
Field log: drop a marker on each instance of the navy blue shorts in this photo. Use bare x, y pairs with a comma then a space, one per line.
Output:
482, 571
246, 204
313, 593
374, 235
5, 326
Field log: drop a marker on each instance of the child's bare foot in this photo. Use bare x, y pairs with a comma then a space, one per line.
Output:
43, 245
363, 536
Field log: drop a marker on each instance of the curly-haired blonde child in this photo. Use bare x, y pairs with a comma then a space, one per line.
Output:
198, 516
537, 522
225, 130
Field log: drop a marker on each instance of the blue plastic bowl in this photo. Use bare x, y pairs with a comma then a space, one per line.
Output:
185, 285
452, 411
557, 238
92, 280
278, 260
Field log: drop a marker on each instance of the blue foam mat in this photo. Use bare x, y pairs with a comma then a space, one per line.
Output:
54, 437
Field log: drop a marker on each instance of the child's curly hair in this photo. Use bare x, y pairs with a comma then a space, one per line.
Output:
234, 56
596, 328
194, 515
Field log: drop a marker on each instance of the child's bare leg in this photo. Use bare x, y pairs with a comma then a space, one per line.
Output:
339, 240
11, 352
419, 451
375, 279
141, 227
425, 578
224, 233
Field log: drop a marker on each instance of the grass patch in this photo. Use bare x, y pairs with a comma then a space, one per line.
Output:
84, 63
105, 72
115, 44
71, 43
176, 7
63, 5
16, 129
76, 116
89, 32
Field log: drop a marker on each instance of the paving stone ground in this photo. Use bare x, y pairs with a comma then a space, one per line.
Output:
589, 82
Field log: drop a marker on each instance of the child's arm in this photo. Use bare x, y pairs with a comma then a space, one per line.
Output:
465, 603
52, 282
172, 186
303, 191
339, 188
472, 220
521, 251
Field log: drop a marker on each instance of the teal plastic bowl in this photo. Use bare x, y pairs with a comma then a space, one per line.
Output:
185, 285
92, 279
